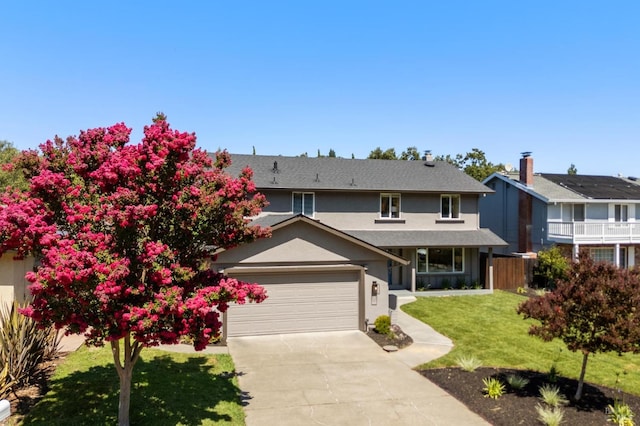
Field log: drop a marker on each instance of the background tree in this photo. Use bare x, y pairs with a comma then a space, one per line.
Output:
572, 170
594, 310
473, 163
126, 235
379, 154
411, 153
9, 174
332, 153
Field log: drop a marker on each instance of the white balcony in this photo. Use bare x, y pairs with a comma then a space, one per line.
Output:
594, 232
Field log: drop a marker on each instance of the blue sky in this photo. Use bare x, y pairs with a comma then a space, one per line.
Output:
558, 78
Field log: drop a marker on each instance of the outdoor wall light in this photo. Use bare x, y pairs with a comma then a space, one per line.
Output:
374, 288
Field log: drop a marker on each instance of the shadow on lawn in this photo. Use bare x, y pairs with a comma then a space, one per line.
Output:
164, 392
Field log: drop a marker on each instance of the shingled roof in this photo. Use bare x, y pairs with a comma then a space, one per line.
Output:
327, 173
596, 187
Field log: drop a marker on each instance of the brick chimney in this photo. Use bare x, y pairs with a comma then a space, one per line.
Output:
526, 169
525, 205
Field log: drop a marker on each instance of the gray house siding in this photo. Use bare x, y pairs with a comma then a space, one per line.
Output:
500, 213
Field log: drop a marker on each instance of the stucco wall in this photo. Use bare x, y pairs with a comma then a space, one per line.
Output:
13, 286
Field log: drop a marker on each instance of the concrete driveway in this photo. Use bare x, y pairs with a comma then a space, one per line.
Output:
336, 378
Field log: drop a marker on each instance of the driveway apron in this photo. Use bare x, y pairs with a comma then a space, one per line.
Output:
336, 378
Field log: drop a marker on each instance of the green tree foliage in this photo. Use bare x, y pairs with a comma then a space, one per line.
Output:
552, 266
411, 153
572, 170
10, 175
473, 163
332, 153
379, 154
595, 309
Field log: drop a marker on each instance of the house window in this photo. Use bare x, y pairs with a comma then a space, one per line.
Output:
303, 203
578, 212
390, 206
450, 207
602, 254
621, 212
434, 260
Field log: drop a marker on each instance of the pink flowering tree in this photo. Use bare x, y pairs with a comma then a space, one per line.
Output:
124, 235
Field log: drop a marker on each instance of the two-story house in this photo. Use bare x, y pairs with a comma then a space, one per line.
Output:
346, 231
532, 211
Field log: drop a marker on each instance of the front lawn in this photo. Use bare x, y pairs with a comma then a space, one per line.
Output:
168, 389
488, 328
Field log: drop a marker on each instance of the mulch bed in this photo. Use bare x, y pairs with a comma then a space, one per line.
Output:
396, 338
518, 407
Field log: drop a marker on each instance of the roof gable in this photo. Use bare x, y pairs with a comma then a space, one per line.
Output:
325, 173
302, 239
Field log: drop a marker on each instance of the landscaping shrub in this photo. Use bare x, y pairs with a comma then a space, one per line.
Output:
493, 388
552, 266
620, 414
383, 324
516, 381
550, 416
23, 346
468, 363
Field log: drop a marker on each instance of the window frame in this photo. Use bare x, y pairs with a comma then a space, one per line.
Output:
389, 197
303, 203
423, 267
621, 213
452, 207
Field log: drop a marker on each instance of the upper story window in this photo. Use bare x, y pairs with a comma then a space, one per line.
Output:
578, 212
303, 203
621, 212
450, 206
390, 206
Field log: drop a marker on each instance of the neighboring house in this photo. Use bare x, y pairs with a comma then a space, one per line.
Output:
13, 285
533, 211
346, 231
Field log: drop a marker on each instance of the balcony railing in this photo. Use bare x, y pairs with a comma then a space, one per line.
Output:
594, 232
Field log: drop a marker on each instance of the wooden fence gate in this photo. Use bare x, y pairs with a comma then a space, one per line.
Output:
509, 273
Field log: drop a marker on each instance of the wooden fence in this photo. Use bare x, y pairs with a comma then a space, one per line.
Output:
511, 272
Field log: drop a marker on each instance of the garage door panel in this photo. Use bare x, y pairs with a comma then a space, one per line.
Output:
299, 303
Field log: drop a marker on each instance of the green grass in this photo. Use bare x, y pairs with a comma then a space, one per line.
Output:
487, 327
168, 389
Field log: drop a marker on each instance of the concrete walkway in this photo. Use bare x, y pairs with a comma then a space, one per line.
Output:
427, 345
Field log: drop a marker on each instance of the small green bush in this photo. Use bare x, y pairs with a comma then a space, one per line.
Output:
468, 363
383, 324
550, 416
493, 388
620, 414
517, 382
551, 396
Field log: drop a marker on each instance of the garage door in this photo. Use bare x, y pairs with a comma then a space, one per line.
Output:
297, 303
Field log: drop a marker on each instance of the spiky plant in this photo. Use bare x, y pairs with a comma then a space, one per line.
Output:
550, 416
468, 363
551, 395
516, 381
23, 346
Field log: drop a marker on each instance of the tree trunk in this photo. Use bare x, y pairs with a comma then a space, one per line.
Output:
585, 356
124, 368
124, 401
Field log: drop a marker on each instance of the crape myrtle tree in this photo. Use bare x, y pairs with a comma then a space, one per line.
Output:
596, 308
125, 235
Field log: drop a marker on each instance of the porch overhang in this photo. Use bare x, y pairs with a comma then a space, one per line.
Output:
420, 238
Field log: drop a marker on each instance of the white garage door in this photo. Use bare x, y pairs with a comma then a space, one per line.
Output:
297, 303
